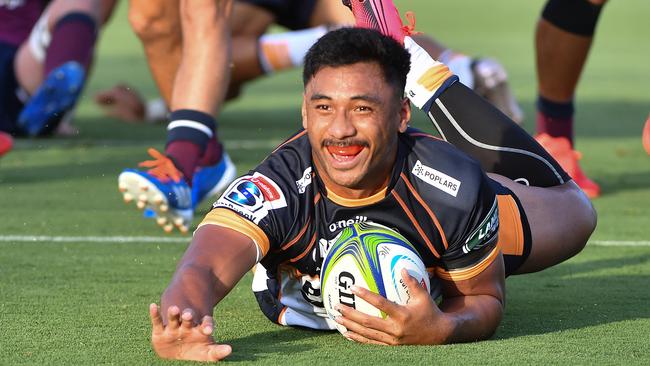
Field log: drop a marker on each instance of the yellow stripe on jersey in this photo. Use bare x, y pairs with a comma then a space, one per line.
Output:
471, 272
511, 232
433, 78
351, 202
226, 218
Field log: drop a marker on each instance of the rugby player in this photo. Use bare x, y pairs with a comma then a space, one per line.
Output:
563, 39
46, 50
358, 160
190, 62
256, 53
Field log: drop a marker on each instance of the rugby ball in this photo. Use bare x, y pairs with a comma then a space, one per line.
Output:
371, 256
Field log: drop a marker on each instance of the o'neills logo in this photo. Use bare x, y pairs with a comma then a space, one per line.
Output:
436, 178
342, 224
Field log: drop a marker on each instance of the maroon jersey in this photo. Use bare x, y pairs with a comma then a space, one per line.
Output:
17, 17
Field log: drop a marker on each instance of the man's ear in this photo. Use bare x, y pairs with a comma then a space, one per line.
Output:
404, 114
303, 111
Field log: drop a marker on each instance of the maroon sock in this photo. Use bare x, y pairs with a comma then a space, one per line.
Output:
73, 39
556, 127
186, 156
213, 153
555, 119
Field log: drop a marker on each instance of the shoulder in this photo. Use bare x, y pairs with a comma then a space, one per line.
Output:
440, 171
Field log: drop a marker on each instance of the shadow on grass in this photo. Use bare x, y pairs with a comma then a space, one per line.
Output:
576, 296
284, 341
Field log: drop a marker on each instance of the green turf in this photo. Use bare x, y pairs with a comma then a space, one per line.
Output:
86, 303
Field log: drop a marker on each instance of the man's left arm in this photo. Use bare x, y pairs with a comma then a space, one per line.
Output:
470, 311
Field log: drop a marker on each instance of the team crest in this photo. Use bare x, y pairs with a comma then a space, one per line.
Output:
252, 196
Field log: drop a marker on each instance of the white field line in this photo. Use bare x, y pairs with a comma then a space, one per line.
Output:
162, 239
90, 239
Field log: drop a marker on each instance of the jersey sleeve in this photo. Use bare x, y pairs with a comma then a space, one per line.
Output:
260, 205
474, 248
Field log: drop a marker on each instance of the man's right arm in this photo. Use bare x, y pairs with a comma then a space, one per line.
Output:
214, 262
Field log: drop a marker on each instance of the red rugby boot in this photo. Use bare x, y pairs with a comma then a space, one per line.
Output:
560, 149
381, 15
645, 137
6, 143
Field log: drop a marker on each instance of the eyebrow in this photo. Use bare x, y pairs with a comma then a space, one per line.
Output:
367, 98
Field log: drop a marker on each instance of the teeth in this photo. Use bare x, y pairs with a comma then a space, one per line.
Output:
141, 204
161, 221
164, 208
168, 228
127, 197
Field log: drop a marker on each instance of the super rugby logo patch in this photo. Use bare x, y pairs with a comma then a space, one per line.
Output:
252, 196
436, 178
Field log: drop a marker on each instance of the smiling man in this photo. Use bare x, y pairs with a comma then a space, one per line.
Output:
358, 160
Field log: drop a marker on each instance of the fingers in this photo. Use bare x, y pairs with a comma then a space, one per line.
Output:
187, 319
207, 325
219, 352
414, 287
105, 97
173, 317
365, 328
376, 300
156, 319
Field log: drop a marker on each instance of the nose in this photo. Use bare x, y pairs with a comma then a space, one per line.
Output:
341, 126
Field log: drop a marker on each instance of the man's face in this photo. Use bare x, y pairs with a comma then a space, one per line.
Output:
353, 116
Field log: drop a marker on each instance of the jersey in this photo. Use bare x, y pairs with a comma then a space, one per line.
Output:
437, 197
17, 18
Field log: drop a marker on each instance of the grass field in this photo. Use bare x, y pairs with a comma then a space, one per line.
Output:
72, 293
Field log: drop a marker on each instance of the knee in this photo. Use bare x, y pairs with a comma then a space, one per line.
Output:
152, 23
584, 215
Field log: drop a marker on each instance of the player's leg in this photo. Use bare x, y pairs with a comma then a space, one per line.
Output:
256, 53
158, 26
563, 39
199, 89
560, 219
53, 63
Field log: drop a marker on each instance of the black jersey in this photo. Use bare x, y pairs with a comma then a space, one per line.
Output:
437, 197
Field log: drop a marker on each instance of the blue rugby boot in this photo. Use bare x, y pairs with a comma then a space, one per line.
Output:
56, 95
161, 190
210, 180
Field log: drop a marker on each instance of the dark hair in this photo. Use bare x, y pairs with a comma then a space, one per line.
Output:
347, 46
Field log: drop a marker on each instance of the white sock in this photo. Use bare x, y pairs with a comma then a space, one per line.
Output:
427, 77
281, 51
460, 65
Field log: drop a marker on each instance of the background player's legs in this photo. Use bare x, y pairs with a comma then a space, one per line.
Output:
158, 26
52, 65
562, 42
561, 219
256, 53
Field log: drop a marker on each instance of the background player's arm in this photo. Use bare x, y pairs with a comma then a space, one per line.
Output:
214, 262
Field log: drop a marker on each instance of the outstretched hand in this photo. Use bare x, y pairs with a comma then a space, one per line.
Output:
122, 102
183, 338
413, 323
